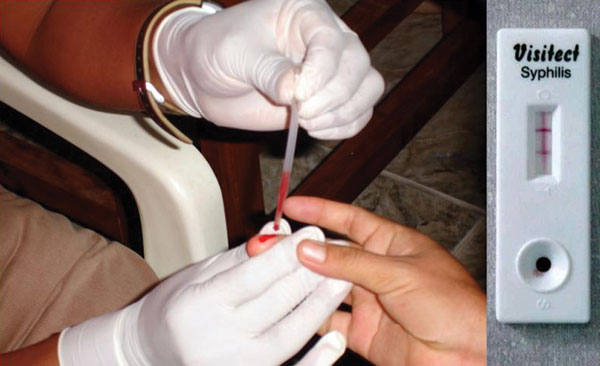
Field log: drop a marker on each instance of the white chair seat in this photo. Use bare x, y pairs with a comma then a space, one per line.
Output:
177, 194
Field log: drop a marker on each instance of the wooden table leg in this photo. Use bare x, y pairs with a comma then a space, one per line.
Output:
373, 20
237, 168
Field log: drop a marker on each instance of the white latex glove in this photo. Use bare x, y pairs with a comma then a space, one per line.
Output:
237, 67
226, 310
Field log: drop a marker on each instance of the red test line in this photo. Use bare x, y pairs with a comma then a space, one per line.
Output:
544, 130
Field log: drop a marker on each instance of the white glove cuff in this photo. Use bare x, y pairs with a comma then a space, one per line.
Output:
108, 339
90, 343
167, 55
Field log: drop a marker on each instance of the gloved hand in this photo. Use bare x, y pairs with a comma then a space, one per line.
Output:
237, 67
226, 310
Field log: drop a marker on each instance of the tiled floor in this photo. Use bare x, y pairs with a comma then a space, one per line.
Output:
437, 182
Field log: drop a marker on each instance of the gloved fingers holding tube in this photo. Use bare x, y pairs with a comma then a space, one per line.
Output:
229, 309
236, 67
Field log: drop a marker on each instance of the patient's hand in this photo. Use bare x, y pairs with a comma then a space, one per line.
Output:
412, 303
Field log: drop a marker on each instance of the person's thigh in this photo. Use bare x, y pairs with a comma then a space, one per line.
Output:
54, 274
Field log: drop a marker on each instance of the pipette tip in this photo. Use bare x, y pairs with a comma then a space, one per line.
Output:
288, 163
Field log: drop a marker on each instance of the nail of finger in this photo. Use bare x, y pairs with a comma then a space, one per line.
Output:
340, 242
313, 251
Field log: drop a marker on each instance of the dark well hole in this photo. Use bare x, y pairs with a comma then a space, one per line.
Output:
543, 264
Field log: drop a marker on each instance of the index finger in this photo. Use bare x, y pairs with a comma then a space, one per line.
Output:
354, 222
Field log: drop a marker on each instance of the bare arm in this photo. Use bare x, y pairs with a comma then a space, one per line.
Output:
84, 48
44, 353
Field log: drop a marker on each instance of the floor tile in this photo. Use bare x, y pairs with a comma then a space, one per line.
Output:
449, 153
406, 203
400, 51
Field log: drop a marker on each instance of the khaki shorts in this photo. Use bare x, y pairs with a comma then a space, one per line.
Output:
54, 274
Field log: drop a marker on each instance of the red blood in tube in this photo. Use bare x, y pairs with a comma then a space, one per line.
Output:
283, 189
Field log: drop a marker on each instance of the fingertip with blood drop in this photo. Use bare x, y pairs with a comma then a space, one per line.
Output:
263, 238
261, 243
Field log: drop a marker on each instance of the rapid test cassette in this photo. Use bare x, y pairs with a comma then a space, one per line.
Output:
543, 176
